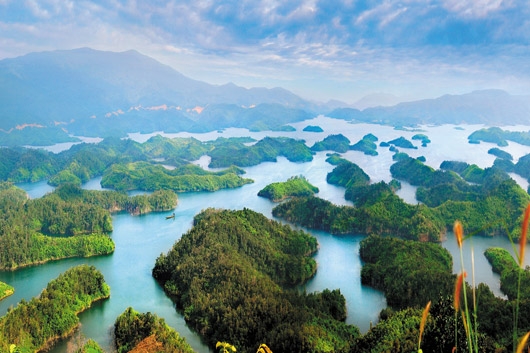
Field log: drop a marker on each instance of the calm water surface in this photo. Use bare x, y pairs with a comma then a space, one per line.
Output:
140, 240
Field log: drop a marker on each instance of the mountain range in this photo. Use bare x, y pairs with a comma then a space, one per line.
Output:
49, 97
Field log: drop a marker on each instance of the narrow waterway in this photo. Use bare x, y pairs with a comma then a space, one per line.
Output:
140, 240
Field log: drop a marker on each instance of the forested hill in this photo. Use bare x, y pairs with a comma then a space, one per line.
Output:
244, 261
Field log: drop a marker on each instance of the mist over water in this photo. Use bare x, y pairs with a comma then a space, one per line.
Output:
141, 239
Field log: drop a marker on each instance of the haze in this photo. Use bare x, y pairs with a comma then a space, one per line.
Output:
320, 50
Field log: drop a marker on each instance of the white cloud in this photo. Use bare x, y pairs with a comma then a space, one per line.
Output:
474, 8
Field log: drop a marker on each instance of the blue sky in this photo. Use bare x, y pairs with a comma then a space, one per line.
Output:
319, 49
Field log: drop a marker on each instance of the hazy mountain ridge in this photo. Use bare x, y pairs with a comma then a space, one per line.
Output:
489, 107
85, 92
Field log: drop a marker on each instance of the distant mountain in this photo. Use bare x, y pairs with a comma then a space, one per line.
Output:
83, 89
376, 100
49, 97
489, 107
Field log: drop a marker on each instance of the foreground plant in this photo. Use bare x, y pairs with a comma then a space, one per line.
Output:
469, 314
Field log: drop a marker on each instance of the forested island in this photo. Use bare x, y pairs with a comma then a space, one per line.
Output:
32, 326
250, 262
146, 332
70, 222
249, 265
377, 210
296, 186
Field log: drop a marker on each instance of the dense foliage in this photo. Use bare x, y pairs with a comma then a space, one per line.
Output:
227, 152
503, 263
500, 136
423, 138
114, 201
133, 330
34, 324
296, 186
402, 142
5, 290
243, 260
338, 143
366, 145
72, 229
149, 177
484, 200
497, 152
410, 273
348, 175
377, 211
90, 346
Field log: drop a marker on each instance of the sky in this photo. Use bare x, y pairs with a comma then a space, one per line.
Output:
319, 49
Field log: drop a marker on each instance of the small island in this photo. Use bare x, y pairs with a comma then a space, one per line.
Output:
33, 325
366, 145
296, 186
497, 152
423, 138
402, 142
5, 290
313, 128
338, 143
134, 331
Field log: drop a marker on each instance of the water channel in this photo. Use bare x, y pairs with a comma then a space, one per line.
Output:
139, 240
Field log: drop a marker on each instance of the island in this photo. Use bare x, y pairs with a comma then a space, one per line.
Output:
423, 138
188, 178
251, 264
5, 290
34, 325
497, 152
146, 332
500, 136
295, 186
492, 205
338, 143
366, 145
402, 142
313, 128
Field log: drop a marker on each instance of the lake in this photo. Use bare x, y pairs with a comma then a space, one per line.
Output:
141, 239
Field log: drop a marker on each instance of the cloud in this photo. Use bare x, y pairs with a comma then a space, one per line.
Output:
355, 43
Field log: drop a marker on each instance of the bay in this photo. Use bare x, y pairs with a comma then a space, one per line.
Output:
139, 240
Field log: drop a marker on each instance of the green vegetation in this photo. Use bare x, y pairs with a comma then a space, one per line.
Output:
244, 259
70, 222
90, 346
402, 142
377, 211
423, 138
313, 128
492, 205
294, 187
338, 143
497, 152
366, 145
5, 290
149, 177
504, 264
227, 153
35, 231
32, 325
147, 332
348, 175
411, 273
500, 137
114, 201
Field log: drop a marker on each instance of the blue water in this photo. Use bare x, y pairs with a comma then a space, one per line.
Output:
141, 239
